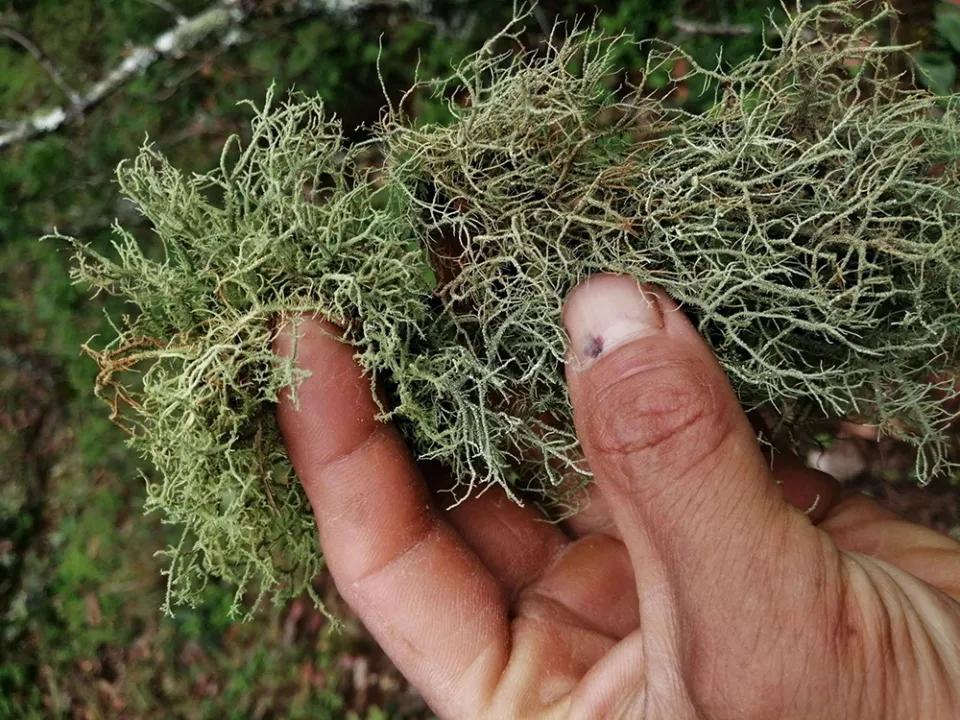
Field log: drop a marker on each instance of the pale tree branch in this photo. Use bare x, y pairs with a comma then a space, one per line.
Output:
694, 27
218, 18
223, 18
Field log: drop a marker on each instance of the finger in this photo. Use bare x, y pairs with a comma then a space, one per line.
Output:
812, 492
593, 516
515, 543
566, 624
422, 593
590, 584
680, 467
859, 524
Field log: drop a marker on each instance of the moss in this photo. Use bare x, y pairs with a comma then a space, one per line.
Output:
809, 222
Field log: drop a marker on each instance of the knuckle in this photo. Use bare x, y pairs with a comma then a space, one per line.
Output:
670, 408
531, 605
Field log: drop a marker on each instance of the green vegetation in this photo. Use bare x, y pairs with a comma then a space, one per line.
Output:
80, 588
938, 63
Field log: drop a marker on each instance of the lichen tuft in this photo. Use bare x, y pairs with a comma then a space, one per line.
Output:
809, 223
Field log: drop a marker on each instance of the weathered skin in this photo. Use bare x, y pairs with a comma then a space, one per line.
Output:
687, 588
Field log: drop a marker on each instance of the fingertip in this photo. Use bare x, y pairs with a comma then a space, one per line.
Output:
636, 367
284, 336
298, 335
334, 408
812, 492
607, 311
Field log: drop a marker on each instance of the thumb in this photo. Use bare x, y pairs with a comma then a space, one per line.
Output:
660, 425
679, 465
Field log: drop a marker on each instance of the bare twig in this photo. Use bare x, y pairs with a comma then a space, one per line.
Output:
43, 60
694, 27
224, 18
217, 19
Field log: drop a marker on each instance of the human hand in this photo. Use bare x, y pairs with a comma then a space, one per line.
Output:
688, 587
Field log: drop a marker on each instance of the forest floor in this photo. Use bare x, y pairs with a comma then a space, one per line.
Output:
81, 634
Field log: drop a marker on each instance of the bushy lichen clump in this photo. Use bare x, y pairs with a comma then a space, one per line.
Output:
810, 223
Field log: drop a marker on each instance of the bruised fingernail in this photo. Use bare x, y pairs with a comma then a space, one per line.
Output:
605, 312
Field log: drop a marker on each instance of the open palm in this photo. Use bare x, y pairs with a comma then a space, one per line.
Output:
690, 586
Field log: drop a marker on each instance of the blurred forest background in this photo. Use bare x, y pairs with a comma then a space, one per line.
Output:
81, 635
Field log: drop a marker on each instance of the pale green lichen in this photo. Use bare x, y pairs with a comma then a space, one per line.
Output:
809, 222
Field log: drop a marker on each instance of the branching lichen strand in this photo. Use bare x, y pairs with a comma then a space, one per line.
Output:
810, 223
